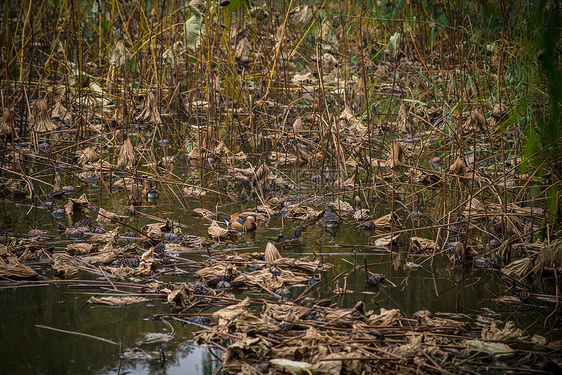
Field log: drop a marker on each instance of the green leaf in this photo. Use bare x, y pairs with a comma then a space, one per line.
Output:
553, 203
233, 6
517, 113
530, 148
392, 42
192, 31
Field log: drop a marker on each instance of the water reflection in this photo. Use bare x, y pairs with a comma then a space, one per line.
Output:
47, 351
433, 285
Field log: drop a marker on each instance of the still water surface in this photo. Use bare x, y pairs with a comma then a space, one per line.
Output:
29, 349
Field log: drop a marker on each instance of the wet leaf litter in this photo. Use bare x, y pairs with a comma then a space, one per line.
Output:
273, 149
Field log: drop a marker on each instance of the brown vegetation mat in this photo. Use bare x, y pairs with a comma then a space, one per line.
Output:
436, 129
301, 335
286, 337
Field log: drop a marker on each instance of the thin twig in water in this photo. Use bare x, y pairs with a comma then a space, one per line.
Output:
77, 334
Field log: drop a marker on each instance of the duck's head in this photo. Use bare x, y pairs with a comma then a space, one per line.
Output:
250, 223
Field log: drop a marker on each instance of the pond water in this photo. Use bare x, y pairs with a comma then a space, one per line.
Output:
29, 346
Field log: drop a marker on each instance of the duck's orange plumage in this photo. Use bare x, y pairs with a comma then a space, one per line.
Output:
272, 199
243, 225
148, 190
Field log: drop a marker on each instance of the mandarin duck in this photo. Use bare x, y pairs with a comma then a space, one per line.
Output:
240, 224
149, 191
273, 200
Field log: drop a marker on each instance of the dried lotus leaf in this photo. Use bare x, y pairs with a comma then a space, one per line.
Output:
7, 123
127, 156
78, 248
389, 221
510, 332
518, 269
458, 167
491, 348
476, 123
397, 156
115, 301
362, 214
229, 313
421, 244
228, 271
10, 266
150, 112
89, 155
76, 204
40, 120
403, 120
202, 212
180, 298
105, 216
340, 206
216, 231
271, 254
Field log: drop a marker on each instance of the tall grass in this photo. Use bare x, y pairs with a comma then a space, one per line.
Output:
441, 62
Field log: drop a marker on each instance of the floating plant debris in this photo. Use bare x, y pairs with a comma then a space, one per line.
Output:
299, 188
